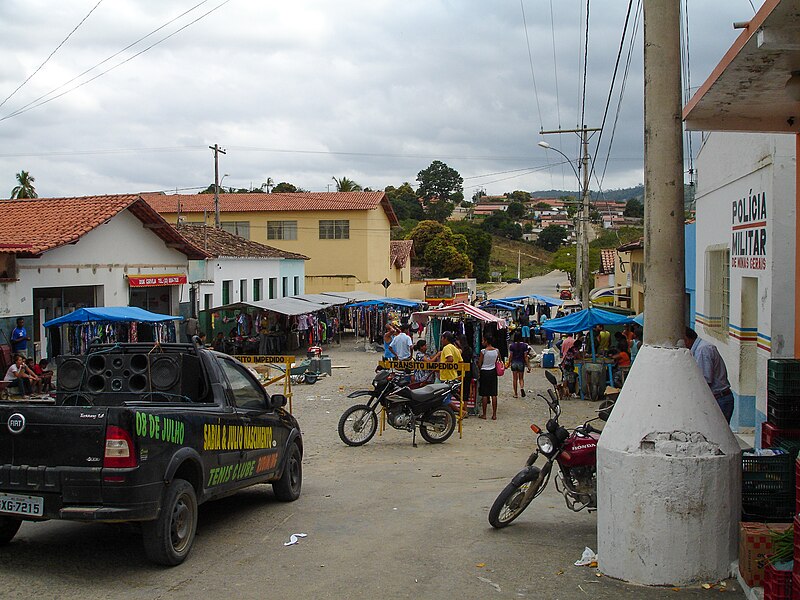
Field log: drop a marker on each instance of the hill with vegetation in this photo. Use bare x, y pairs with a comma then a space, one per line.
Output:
503, 259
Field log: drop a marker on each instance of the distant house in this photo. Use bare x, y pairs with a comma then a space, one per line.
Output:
346, 235
401, 253
629, 275
240, 270
60, 254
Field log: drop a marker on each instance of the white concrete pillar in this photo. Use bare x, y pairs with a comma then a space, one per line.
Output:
669, 477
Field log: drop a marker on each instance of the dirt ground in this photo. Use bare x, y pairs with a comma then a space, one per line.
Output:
383, 520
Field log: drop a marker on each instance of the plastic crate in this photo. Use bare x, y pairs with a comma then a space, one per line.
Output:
789, 386
783, 411
771, 434
795, 585
777, 584
792, 447
781, 367
768, 487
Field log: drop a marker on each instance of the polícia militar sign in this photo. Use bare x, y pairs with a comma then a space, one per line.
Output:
749, 232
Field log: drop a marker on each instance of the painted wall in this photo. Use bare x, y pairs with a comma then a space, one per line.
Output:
633, 277
739, 176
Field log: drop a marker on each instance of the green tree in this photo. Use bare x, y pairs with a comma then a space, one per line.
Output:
405, 203
634, 208
552, 237
283, 188
519, 196
542, 206
499, 223
440, 187
346, 185
24, 187
446, 259
564, 260
479, 247
516, 210
527, 228
422, 234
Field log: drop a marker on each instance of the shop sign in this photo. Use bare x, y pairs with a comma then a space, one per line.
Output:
749, 232
153, 280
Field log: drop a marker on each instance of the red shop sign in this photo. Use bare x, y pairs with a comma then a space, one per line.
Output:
154, 280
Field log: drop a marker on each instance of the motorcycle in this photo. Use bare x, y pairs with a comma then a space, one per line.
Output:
406, 409
576, 477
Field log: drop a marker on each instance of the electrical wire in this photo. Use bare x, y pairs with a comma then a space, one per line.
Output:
530, 60
585, 68
555, 66
39, 68
130, 58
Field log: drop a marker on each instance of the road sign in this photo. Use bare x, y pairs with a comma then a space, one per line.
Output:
386, 283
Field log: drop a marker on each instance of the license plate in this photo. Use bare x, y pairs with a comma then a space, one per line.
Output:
21, 505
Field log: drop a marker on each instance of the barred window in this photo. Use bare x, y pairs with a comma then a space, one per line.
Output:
240, 228
718, 288
334, 230
281, 230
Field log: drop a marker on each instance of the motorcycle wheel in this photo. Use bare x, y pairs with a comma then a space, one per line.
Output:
437, 425
357, 425
511, 503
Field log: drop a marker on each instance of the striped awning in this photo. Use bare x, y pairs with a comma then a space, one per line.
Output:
459, 310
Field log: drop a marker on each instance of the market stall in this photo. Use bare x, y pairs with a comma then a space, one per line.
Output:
368, 318
74, 332
586, 320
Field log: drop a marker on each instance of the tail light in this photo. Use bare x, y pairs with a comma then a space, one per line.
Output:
119, 452
535, 428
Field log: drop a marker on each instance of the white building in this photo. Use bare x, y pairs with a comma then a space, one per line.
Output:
240, 270
60, 254
746, 259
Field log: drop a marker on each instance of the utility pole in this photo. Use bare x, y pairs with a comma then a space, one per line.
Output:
217, 151
582, 269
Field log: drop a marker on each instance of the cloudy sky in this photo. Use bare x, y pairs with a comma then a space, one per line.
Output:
305, 90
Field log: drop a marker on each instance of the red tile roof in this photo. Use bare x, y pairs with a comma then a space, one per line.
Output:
220, 243
607, 258
400, 252
635, 245
33, 226
318, 201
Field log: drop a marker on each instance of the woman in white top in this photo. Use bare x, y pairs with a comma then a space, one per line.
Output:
17, 376
487, 384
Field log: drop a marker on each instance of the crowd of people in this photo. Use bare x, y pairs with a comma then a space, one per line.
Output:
26, 377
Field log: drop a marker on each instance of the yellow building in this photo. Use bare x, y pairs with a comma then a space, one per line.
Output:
629, 276
346, 235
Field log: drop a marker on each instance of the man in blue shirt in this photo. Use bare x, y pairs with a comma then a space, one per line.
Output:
20, 339
713, 369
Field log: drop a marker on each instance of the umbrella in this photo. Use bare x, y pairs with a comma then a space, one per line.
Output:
584, 320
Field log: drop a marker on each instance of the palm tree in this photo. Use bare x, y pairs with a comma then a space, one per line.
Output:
346, 185
25, 188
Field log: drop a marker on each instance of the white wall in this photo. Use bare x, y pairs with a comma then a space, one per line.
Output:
249, 269
733, 166
100, 258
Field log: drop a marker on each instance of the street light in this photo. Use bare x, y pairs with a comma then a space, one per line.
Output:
582, 241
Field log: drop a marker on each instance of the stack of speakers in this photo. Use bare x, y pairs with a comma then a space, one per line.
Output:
164, 377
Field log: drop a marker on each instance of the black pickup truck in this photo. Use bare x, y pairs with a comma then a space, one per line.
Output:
144, 433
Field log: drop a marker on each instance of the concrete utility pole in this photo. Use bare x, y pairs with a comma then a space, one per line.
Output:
668, 466
217, 151
582, 270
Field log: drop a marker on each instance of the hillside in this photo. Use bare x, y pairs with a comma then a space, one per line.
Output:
535, 261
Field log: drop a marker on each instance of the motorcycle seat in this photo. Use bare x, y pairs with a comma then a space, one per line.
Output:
425, 393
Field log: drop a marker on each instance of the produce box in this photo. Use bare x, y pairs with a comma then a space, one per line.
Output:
755, 545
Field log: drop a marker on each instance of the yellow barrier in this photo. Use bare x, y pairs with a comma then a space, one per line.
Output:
286, 361
419, 365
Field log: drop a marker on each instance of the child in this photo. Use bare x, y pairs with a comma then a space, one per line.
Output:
44, 374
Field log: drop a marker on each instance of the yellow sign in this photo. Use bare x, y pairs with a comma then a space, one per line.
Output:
286, 361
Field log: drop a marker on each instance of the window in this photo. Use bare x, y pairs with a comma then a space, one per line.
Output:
718, 289
240, 228
208, 301
227, 284
273, 287
296, 285
258, 289
281, 230
334, 230
243, 290
284, 287
246, 392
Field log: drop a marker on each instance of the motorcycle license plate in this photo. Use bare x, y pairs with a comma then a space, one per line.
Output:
14, 504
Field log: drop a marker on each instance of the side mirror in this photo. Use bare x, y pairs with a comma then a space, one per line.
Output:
277, 401
551, 378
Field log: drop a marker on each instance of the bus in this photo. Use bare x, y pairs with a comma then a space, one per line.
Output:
449, 291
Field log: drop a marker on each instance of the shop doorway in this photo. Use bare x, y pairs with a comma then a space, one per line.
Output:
50, 303
157, 299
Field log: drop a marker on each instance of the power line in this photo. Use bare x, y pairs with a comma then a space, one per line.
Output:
530, 60
555, 67
22, 110
585, 67
64, 41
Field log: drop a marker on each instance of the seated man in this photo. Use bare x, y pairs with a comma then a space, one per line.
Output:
622, 362
43, 373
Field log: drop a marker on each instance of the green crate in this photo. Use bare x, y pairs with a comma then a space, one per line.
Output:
778, 368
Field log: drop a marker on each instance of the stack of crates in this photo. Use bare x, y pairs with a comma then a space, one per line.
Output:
783, 393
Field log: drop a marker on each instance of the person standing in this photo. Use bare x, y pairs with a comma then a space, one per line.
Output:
422, 376
401, 344
713, 368
636, 343
448, 354
388, 335
519, 362
192, 328
603, 339
20, 339
487, 383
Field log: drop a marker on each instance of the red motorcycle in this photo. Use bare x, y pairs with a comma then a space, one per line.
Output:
576, 477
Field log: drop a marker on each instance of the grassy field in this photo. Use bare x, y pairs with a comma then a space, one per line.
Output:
535, 261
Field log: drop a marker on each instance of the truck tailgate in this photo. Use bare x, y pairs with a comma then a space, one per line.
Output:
52, 449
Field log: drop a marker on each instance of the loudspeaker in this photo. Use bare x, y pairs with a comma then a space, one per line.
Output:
71, 373
116, 373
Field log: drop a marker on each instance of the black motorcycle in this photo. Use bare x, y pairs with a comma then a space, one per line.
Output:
407, 409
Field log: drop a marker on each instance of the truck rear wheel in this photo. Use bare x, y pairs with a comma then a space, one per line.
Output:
9, 527
168, 539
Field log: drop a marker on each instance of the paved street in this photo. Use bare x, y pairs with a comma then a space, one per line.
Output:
384, 520
544, 285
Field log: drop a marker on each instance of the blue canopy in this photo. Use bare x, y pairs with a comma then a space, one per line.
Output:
584, 320
538, 297
500, 303
110, 314
402, 302
639, 319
